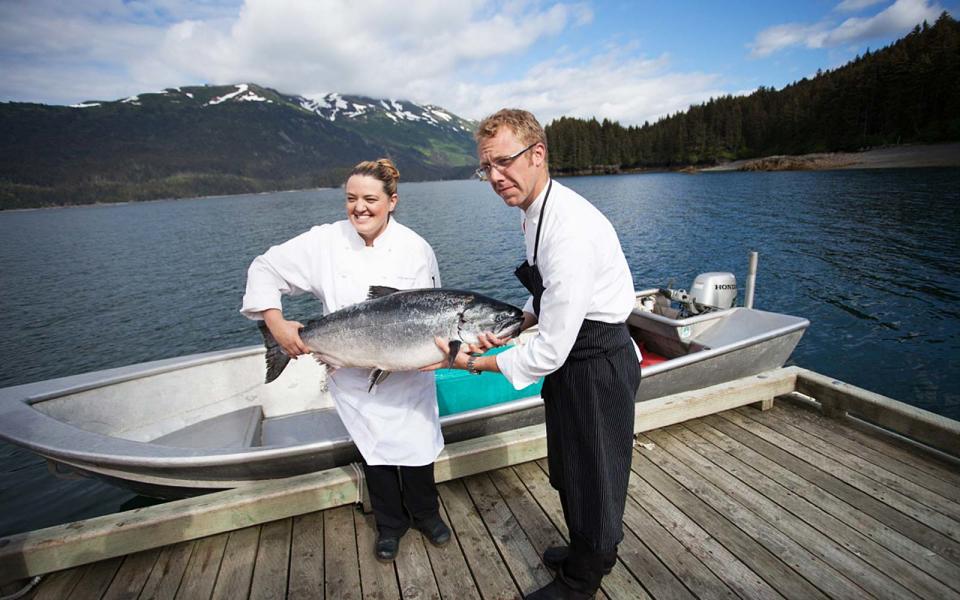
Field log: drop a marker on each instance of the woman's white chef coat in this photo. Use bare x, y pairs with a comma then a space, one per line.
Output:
398, 423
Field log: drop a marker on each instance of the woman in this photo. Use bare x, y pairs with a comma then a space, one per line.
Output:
396, 426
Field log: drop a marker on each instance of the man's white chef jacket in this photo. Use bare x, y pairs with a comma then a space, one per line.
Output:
585, 276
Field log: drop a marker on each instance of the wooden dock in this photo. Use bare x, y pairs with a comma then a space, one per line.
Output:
744, 503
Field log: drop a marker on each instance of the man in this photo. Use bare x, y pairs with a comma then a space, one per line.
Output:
581, 294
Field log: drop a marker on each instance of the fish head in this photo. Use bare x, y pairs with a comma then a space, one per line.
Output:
483, 314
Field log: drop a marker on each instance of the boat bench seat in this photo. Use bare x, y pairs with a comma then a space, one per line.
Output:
237, 429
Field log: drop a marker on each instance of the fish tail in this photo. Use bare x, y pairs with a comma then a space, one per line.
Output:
277, 359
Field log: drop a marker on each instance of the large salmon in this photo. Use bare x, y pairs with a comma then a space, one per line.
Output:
394, 330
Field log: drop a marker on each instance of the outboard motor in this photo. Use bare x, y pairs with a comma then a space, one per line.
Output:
710, 291
715, 290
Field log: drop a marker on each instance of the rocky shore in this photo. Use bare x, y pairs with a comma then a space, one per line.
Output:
926, 155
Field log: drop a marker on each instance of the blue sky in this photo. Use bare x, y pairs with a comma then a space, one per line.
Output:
628, 61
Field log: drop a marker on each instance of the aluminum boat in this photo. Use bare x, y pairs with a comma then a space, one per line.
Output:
188, 425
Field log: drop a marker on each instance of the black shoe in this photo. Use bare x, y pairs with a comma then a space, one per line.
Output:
387, 548
558, 590
436, 531
554, 556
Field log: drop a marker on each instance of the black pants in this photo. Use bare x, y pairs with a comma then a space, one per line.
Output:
401, 496
589, 408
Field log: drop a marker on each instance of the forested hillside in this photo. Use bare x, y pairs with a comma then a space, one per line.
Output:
907, 92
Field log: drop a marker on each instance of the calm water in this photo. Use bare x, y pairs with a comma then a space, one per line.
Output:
872, 258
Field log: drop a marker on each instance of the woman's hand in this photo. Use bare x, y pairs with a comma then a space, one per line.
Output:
287, 333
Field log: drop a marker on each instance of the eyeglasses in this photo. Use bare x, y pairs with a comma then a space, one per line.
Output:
500, 164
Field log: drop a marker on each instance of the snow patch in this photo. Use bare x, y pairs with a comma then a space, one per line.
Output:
241, 89
85, 105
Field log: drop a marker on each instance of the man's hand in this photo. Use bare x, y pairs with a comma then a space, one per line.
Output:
487, 340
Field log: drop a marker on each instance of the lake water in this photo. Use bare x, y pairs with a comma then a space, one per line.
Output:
872, 258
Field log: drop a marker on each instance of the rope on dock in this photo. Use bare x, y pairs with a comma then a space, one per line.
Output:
24, 590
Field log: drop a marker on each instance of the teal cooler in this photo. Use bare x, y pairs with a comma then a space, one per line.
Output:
459, 391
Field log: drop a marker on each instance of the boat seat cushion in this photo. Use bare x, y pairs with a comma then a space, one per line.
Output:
237, 429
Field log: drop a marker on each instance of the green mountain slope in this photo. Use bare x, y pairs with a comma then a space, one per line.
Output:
216, 140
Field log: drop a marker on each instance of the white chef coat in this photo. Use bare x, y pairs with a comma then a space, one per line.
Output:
585, 276
398, 423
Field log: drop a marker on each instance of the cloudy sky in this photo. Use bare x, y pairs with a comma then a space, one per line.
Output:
629, 61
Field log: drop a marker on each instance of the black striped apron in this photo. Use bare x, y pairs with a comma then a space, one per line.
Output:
589, 407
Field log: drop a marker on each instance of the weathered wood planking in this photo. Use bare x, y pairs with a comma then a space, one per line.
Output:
874, 529
834, 538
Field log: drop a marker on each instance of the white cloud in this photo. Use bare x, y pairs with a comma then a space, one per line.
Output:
896, 19
855, 5
613, 86
445, 53
381, 48
899, 18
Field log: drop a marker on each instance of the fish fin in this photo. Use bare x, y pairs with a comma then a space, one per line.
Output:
277, 359
376, 377
454, 350
379, 291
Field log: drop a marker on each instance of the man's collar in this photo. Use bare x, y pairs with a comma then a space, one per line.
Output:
533, 211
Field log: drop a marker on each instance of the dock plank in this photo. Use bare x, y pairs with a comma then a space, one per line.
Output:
942, 524
414, 572
236, 568
164, 579
377, 580
59, 585
692, 574
518, 553
908, 466
886, 570
491, 574
201, 573
96, 579
904, 547
741, 534
272, 564
132, 575
854, 460
535, 523
620, 583
707, 548
306, 557
771, 444
341, 565
814, 556
450, 568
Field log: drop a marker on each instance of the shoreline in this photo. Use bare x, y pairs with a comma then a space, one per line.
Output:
891, 157
907, 156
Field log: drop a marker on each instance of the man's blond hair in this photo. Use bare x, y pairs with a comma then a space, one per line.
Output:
522, 123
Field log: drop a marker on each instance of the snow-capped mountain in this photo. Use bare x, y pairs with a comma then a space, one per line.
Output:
196, 140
